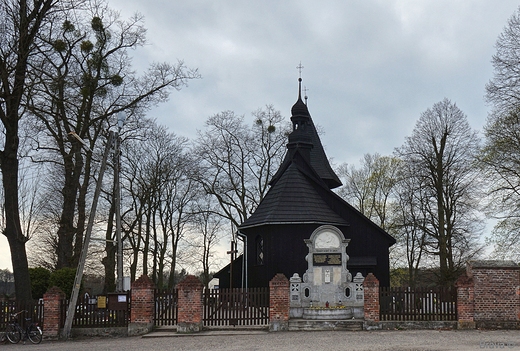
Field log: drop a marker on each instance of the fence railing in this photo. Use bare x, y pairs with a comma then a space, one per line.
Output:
34, 311
225, 307
418, 304
165, 307
89, 314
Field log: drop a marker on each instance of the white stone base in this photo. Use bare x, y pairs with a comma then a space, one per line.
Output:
328, 313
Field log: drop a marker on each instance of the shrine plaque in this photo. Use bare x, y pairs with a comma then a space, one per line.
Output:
326, 259
102, 302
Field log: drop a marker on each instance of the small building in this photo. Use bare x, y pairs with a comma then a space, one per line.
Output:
300, 201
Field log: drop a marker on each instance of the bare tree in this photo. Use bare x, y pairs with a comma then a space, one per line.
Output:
83, 79
207, 226
22, 21
410, 219
440, 154
157, 170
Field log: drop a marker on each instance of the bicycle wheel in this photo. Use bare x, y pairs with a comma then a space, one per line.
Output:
13, 334
34, 333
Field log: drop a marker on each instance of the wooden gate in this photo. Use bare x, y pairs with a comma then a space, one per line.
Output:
232, 307
165, 307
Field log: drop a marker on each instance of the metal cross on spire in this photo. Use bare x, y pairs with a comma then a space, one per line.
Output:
305, 94
300, 67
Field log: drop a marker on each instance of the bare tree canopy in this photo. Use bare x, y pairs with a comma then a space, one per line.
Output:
236, 162
500, 159
503, 90
501, 153
370, 187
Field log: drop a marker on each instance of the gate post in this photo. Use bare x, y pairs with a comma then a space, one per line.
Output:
371, 306
52, 312
142, 306
190, 305
279, 303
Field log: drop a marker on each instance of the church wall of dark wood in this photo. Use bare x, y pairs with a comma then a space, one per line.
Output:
284, 251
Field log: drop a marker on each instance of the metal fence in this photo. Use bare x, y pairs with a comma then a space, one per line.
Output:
232, 307
418, 304
34, 311
165, 307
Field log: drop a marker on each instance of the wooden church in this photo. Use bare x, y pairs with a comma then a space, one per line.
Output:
299, 201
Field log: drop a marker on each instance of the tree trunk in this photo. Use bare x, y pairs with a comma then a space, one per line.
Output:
13, 229
109, 261
441, 212
66, 230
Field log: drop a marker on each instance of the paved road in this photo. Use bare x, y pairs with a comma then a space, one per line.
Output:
418, 340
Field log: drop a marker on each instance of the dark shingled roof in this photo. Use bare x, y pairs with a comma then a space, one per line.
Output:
295, 198
318, 159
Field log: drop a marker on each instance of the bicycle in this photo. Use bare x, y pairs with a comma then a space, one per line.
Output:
14, 331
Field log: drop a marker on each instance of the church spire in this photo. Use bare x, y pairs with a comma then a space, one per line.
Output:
299, 109
304, 141
300, 68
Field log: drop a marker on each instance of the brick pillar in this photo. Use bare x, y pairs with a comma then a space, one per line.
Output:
465, 302
371, 307
190, 305
142, 306
279, 303
52, 312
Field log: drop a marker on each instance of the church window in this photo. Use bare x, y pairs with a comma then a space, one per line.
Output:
307, 292
259, 250
347, 292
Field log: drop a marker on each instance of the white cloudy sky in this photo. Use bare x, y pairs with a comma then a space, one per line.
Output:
371, 67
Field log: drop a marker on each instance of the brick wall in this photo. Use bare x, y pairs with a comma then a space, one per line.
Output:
279, 303
496, 298
371, 307
52, 312
190, 305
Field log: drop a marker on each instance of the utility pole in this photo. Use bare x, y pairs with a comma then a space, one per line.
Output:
117, 195
79, 271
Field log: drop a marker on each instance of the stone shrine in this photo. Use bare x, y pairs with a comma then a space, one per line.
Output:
328, 290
